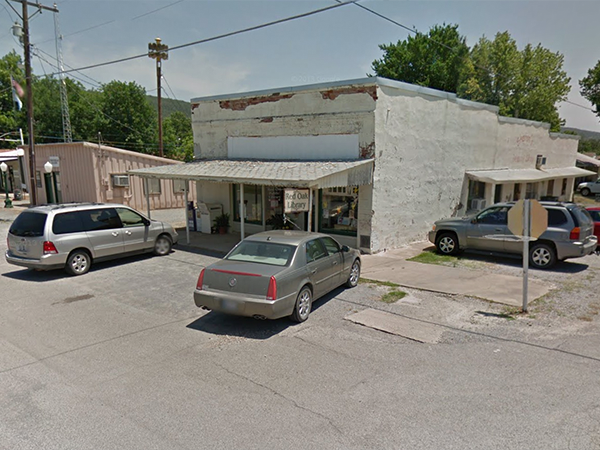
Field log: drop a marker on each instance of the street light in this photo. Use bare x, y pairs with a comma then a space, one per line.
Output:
48, 167
7, 200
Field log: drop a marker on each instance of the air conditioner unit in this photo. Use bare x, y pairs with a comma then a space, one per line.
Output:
120, 180
540, 161
477, 204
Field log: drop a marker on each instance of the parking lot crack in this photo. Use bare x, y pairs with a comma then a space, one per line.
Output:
279, 394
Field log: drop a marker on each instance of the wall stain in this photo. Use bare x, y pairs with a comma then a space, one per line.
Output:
332, 94
242, 103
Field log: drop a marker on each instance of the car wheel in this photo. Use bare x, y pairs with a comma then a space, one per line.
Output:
162, 246
354, 274
303, 305
447, 244
542, 256
78, 263
585, 192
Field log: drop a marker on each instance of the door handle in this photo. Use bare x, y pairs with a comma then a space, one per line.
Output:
127, 232
115, 233
313, 271
334, 263
498, 229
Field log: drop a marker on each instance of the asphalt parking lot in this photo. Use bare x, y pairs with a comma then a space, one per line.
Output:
122, 359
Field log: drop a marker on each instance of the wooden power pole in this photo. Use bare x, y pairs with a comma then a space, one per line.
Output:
159, 51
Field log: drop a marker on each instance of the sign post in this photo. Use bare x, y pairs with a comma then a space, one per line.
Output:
527, 219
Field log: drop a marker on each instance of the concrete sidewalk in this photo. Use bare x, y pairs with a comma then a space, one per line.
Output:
392, 266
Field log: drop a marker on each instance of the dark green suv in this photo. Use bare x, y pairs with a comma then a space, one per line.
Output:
570, 234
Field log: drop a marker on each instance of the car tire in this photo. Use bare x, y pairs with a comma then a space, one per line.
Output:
303, 305
354, 274
447, 244
585, 192
162, 245
79, 262
542, 256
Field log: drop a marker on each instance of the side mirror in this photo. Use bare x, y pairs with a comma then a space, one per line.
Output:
146, 222
474, 220
345, 248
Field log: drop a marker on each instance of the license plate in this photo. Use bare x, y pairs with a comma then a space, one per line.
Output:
229, 305
22, 248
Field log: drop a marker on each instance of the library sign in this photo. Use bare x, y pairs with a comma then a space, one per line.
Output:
296, 200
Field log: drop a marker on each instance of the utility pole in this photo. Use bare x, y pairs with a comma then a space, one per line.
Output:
159, 51
29, 90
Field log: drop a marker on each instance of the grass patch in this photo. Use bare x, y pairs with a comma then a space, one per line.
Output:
431, 257
378, 283
392, 296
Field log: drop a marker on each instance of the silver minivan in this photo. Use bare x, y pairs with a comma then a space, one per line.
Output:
72, 236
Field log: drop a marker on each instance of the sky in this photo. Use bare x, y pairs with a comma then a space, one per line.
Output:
339, 44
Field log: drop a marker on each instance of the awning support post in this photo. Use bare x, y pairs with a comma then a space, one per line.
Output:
242, 218
310, 208
147, 197
185, 206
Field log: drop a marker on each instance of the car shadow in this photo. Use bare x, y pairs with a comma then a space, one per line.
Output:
223, 324
568, 266
41, 276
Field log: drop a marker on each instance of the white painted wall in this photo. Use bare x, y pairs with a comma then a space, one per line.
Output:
323, 147
424, 144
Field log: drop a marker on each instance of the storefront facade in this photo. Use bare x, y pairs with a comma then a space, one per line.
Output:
397, 157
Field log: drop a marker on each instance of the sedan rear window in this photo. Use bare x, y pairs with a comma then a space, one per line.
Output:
28, 224
263, 253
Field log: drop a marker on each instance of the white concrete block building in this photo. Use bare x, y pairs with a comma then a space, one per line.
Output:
382, 159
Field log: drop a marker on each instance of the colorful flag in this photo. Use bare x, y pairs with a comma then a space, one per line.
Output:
17, 92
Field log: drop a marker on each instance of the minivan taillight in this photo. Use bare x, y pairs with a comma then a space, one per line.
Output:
49, 248
574, 236
272, 291
200, 280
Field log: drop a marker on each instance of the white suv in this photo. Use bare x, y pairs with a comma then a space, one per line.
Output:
72, 236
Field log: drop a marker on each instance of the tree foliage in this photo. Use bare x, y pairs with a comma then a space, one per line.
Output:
127, 120
178, 140
526, 83
10, 118
590, 87
434, 59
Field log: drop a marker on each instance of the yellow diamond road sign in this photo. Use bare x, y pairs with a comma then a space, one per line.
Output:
538, 219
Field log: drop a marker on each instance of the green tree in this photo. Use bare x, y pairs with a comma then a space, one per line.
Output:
127, 120
527, 84
590, 87
178, 140
435, 59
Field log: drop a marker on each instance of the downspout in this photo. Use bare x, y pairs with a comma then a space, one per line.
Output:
242, 218
147, 197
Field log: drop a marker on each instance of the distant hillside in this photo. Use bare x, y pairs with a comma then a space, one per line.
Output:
585, 134
169, 106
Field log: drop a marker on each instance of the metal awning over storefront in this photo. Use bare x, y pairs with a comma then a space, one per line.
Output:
284, 174
526, 175
316, 174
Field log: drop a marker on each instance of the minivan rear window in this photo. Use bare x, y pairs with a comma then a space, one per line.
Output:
69, 222
28, 223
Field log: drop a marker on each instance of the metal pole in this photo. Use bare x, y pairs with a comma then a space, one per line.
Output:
147, 197
310, 208
242, 221
187, 221
160, 136
526, 234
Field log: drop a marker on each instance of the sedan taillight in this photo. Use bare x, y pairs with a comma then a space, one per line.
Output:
272, 291
200, 280
575, 232
49, 248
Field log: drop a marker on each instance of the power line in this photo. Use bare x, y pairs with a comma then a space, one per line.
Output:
221, 36
581, 106
156, 10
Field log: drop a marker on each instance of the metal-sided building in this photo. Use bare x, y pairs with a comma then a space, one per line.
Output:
382, 159
86, 172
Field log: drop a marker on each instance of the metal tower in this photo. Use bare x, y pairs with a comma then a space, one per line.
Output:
64, 103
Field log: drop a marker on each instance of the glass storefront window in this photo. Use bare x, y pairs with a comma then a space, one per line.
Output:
339, 210
252, 203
